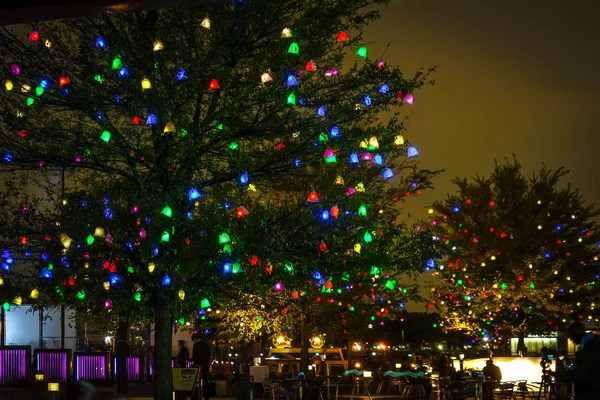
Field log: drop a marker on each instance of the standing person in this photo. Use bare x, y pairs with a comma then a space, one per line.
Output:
491, 371
586, 374
183, 356
201, 357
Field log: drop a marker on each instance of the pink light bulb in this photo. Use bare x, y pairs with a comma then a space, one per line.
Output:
107, 304
278, 286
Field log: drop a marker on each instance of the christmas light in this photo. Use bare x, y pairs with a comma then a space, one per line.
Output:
291, 81
342, 37
387, 173
100, 43
157, 46
105, 137
213, 85
193, 194
286, 33
34, 36
167, 212
294, 49
412, 151
362, 52
205, 23
291, 99
265, 77
169, 128
146, 84
313, 197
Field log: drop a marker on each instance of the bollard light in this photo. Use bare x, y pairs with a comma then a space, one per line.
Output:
398, 366
368, 374
39, 376
53, 386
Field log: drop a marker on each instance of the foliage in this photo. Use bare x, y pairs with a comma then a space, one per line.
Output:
200, 157
522, 254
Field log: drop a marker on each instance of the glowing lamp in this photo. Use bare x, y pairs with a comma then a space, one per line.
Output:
339, 180
165, 237
25, 88
166, 280
146, 84
8, 85
412, 152
366, 156
34, 36
367, 237
39, 376
265, 77
291, 81
116, 64
108, 304
39, 91
15, 69
99, 232
373, 143
105, 137
399, 140
151, 120
241, 212
409, 99
224, 238
286, 33
48, 43
294, 48
213, 85
368, 100
65, 240
100, 43
362, 52
123, 72
362, 211
278, 286
291, 99
357, 248
6, 306
157, 46
137, 296
181, 294
342, 37
193, 194
54, 386
34, 294
167, 211
384, 89
377, 159
334, 211
205, 23
80, 295
169, 128
63, 81
151, 267
321, 111
310, 66
329, 156
313, 197
387, 173
17, 301
204, 303
354, 158
244, 178
367, 374
325, 215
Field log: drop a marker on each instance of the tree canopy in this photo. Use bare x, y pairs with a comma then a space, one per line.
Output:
521, 254
180, 156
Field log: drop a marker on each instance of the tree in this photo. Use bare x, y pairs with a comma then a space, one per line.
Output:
521, 254
200, 151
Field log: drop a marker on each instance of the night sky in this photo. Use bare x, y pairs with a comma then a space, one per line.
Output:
515, 76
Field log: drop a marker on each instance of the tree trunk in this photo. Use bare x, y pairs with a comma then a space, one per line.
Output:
521, 349
163, 338
121, 353
303, 346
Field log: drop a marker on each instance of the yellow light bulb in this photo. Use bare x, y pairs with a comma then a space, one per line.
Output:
157, 46
169, 128
106, 285
205, 23
266, 77
25, 88
17, 301
430, 211
34, 294
86, 265
146, 84
8, 85
181, 294
151, 267
286, 33
399, 140
492, 258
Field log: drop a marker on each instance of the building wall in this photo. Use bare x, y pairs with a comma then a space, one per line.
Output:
22, 328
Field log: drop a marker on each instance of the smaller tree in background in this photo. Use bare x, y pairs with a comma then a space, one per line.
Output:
521, 255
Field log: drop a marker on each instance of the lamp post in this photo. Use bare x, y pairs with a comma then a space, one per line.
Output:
54, 390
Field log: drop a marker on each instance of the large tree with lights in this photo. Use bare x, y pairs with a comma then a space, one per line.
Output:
204, 151
521, 254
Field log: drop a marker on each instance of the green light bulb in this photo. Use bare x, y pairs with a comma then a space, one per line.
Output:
30, 101
167, 211
362, 211
205, 303
116, 64
368, 238
165, 237
39, 90
362, 52
81, 295
105, 136
90, 240
224, 238
99, 78
137, 296
233, 146
291, 99
294, 48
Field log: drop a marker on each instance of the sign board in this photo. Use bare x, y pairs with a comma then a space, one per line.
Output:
184, 379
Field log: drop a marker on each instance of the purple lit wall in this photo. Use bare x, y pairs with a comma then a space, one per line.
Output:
53, 363
134, 368
91, 366
14, 364
188, 363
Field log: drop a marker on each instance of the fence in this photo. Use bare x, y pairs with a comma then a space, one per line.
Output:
15, 364
93, 367
54, 363
135, 370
